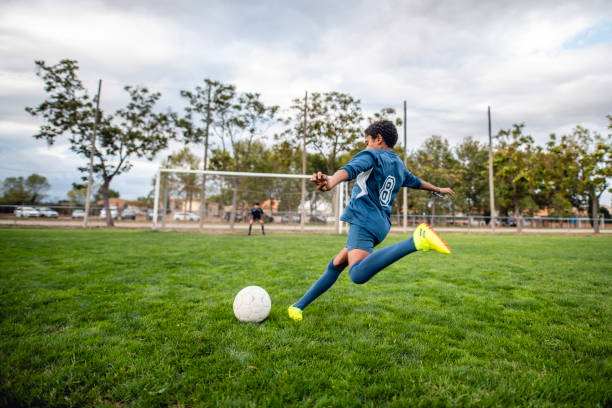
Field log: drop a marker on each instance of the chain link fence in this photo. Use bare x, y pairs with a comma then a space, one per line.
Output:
72, 216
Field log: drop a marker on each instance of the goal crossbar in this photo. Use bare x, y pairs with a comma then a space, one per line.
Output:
225, 173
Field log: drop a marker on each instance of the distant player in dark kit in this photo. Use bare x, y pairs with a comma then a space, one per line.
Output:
379, 174
257, 214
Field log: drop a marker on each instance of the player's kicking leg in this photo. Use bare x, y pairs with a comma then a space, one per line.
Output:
364, 265
425, 239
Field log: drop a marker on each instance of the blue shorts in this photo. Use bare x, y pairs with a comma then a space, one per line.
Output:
360, 238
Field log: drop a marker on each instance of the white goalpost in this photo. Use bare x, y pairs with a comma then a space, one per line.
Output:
340, 195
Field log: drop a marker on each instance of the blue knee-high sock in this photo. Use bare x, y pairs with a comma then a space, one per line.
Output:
362, 271
250, 227
321, 285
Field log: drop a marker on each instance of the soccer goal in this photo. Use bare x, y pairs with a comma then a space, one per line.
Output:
222, 199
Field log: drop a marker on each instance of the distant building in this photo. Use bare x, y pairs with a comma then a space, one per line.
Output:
180, 204
121, 203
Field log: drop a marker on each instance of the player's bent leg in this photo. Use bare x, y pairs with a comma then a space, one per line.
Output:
363, 270
425, 239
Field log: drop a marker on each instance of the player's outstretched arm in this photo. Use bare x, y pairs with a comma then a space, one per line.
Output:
325, 183
440, 190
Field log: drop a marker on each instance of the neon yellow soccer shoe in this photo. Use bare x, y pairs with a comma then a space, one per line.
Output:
295, 313
425, 239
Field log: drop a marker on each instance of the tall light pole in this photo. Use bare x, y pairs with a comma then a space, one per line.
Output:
92, 151
203, 212
302, 201
491, 188
405, 193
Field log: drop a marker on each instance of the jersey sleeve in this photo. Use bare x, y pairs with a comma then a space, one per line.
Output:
411, 181
358, 164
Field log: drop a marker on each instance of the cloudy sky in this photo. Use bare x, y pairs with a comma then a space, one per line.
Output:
547, 64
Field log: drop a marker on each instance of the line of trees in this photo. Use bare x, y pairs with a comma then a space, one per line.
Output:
233, 129
18, 190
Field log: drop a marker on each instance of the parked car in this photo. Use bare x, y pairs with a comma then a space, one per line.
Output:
128, 214
290, 218
78, 214
150, 214
508, 222
186, 216
238, 217
47, 212
113, 212
318, 219
26, 212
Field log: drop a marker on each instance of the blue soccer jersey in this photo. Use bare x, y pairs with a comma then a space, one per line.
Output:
257, 213
379, 175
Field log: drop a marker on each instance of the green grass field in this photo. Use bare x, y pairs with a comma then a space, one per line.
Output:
137, 318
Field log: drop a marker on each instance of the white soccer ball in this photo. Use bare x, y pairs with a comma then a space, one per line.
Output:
252, 304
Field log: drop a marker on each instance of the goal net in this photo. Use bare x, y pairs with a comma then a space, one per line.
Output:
221, 199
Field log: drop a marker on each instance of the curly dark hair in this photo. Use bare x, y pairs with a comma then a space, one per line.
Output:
386, 129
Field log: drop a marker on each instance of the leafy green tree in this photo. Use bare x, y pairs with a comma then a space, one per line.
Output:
552, 192
134, 131
332, 125
78, 193
588, 160
99, 195
37, 185
435, 163
185, 183
14, 191
17, 190
242, 121
200, 121
471, 186
333, 128
515, 167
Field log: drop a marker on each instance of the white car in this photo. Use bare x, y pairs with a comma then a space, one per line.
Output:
113, 212
47, 212
186, 216
78, 214
26, 212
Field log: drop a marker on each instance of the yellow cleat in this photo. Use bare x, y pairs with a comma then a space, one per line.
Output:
425, 239
295, 313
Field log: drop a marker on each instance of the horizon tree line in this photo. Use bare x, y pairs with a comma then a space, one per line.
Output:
232, 128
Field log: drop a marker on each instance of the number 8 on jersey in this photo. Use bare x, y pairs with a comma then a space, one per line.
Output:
386, 191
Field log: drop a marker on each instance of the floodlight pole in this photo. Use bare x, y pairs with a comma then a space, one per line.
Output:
203, 212
156, 201
342, 186
405, 192
92, 151
165, 203
491, 187
302, 201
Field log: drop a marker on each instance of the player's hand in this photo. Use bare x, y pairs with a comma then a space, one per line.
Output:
323, 187
448, 191
320, 180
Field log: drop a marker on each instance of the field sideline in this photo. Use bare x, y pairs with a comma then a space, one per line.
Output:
138, 318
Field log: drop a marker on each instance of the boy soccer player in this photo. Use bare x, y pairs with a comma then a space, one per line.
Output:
257, 214
379, 174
